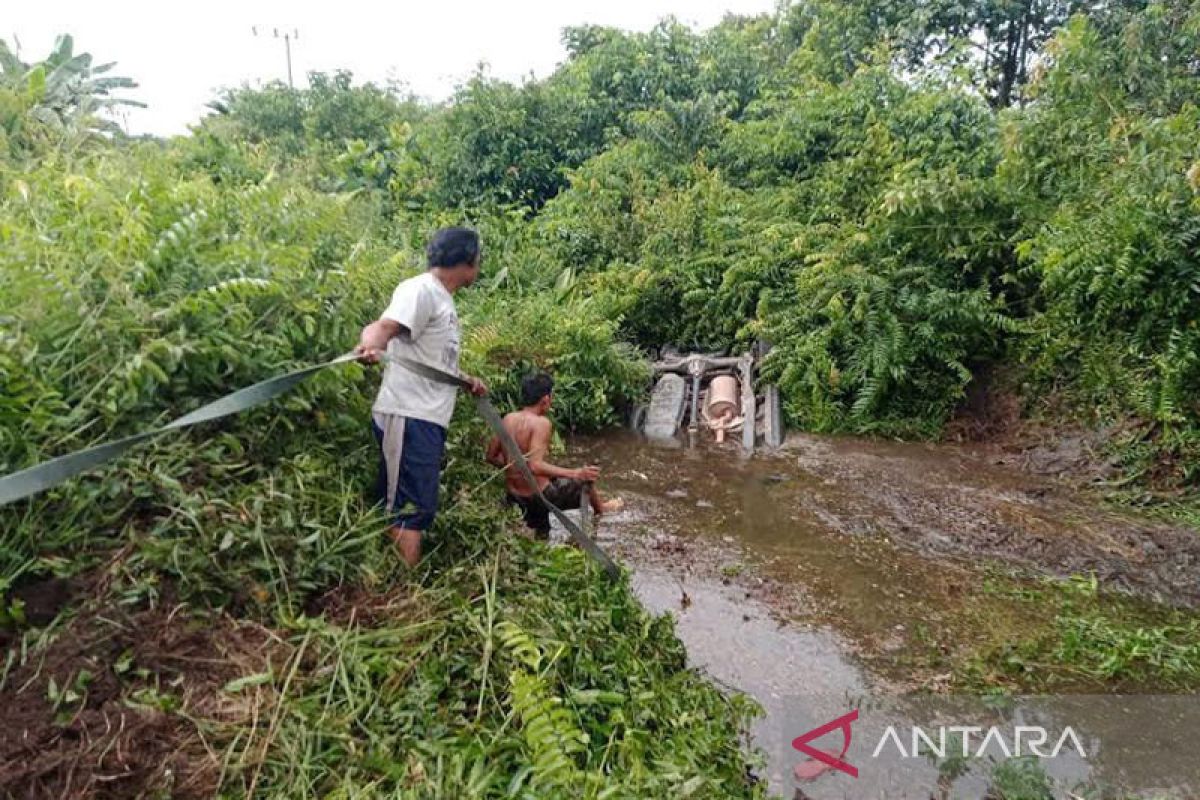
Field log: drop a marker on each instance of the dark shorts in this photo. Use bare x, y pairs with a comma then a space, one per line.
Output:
565, 493
415, 501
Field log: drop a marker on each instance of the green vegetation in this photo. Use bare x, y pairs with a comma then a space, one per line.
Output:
1088, 639
904, 201
58, 104
897, 232
498, 679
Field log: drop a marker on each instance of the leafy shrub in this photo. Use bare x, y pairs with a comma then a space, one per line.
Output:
1105, 176
593, 378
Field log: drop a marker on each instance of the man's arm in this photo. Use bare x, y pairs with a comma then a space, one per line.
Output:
495, 453
539, 447
407, 313
375, 337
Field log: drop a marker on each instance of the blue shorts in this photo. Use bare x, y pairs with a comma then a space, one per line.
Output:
415, 499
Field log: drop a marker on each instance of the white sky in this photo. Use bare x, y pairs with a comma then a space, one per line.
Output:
180, 52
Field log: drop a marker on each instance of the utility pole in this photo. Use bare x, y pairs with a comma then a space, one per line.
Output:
288, 36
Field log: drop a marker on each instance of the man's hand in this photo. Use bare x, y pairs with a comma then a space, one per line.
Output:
477, 387
366, 354
587, 474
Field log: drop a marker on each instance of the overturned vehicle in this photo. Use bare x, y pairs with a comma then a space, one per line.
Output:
714, 396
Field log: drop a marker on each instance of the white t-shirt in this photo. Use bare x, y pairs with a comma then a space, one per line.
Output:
423, 306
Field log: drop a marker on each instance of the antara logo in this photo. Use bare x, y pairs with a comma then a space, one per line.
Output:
801, 743
1025, 740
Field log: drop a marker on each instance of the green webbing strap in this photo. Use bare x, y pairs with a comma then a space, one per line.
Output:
48, 474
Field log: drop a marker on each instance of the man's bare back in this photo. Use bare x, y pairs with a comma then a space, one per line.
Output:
527, 429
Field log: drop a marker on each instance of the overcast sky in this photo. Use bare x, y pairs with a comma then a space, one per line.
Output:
180, 52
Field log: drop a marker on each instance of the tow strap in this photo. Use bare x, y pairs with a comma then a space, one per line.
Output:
49, 474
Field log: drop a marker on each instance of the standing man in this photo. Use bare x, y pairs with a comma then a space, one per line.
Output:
411, 413
530, 428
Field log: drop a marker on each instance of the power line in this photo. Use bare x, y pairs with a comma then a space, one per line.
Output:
288, 36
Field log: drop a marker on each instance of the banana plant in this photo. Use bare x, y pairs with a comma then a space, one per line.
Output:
64, 98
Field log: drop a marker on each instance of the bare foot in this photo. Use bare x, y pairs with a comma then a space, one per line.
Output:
612, 506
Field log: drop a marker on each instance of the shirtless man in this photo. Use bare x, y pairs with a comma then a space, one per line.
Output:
530, 428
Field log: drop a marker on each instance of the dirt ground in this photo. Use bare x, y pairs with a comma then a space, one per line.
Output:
921, 556
114, 703
969, 503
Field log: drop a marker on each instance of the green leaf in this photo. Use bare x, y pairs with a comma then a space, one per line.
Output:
238, 684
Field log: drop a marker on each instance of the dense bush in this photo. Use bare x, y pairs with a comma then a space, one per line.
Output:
135, 294
848, 182
1107, 174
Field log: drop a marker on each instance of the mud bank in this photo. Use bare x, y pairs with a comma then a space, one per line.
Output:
821, 500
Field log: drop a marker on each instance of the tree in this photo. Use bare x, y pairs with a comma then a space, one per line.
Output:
996, 40
502, 143
993, 44
332, 111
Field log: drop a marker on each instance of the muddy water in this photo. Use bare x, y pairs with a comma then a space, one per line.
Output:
832, 574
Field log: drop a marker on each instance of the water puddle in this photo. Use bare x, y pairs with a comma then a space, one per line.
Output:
813, 578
